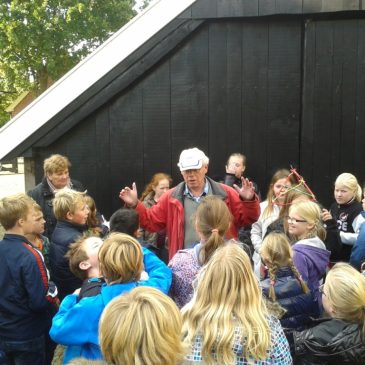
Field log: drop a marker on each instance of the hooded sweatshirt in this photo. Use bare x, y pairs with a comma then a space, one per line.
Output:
76, 323
311, 259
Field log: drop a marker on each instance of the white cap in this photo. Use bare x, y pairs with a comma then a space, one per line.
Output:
192, 159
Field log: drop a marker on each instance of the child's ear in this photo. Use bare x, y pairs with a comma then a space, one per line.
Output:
84, 265
310, 226
69, 216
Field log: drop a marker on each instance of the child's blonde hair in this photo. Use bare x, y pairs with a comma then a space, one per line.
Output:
67, 200
276, 252
13, 208
142, 327
349, 181
212, 220
227, 297
345, 290
311, 213
121, 258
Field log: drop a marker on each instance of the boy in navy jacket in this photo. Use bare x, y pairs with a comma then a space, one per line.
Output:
71, 211
27, 301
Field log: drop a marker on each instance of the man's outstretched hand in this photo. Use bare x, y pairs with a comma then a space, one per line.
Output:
129, 196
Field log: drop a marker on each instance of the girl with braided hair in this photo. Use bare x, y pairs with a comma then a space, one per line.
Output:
212, 221
288, 294
310, 254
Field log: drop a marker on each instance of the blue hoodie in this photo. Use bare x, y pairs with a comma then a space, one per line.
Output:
358, 250
311, 259
76, 323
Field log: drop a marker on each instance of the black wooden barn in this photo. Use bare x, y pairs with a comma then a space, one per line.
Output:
282, 81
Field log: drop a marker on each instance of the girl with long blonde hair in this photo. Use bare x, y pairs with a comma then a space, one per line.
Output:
342, 339
227, 322
212, 221
284, 286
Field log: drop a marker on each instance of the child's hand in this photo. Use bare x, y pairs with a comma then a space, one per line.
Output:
247, 191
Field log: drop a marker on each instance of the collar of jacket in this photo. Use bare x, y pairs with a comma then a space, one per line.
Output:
64, 223
216, 189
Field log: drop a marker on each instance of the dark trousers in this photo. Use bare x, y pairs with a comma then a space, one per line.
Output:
23, 352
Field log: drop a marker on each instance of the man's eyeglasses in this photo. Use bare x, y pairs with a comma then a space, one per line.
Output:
321, 289
293, 220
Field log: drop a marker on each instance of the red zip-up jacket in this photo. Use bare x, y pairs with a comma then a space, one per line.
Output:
169, 213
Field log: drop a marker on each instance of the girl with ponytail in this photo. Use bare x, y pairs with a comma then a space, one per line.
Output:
212, 221
288, 294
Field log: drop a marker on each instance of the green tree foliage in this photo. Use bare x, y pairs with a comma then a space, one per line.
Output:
40, 40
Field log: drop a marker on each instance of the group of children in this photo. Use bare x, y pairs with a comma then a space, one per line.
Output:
236, 308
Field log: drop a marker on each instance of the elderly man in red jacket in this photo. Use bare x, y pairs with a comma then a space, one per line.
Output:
175, 208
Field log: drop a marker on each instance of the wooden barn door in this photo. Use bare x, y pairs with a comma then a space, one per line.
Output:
333, 116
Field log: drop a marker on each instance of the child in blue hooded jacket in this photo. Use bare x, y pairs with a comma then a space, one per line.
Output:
122, 261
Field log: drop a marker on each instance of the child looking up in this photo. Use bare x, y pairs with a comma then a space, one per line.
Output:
122, 261
84, 264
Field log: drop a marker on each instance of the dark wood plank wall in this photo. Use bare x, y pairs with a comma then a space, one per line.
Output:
248, 8
333, 125
280, 91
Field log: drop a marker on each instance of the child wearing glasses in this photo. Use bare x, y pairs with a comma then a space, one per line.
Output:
311, 257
